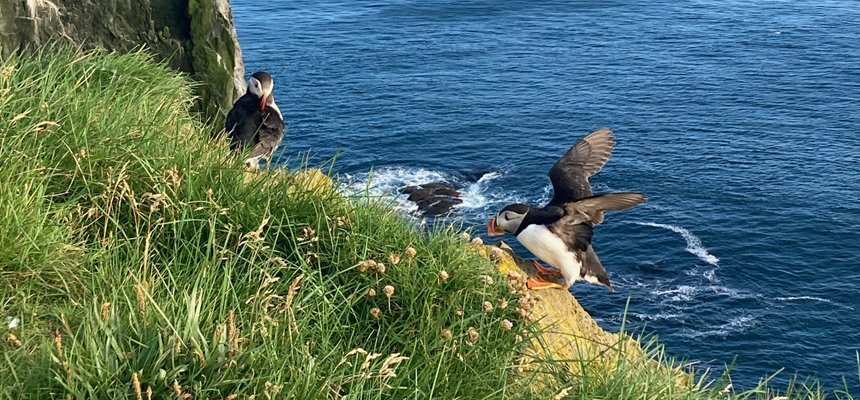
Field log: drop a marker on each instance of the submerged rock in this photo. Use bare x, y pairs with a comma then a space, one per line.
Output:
435, 198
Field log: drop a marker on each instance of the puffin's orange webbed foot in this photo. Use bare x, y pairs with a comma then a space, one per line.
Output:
543, 270
536, 283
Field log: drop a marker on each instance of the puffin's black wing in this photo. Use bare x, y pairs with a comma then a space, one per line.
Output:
591, 209
593, 270
242, 122
570, 174
233, 119
576, 226
269, 135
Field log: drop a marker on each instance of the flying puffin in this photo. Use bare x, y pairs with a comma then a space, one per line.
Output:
560, 232
255, 123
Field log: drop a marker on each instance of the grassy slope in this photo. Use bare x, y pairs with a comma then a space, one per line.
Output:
134, 249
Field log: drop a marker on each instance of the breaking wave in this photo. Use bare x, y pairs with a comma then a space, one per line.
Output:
799, 298
386, 182
694, 244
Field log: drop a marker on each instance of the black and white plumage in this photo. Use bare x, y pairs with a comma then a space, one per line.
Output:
255, 124
560, 233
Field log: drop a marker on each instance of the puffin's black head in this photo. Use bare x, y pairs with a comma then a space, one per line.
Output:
507, 220
261, 85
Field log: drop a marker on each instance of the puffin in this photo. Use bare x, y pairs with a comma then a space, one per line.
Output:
560, 232
255, 124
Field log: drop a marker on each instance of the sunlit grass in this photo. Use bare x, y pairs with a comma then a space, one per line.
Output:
141, 261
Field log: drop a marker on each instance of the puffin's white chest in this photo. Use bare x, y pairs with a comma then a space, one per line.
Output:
551, 250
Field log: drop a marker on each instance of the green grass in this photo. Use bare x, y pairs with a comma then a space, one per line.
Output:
139, 256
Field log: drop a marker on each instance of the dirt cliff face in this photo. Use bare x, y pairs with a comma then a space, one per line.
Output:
193, 36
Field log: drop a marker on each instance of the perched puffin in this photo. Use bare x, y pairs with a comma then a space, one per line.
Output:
255, 123
560, 232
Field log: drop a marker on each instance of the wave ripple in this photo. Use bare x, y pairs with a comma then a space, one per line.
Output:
694, 244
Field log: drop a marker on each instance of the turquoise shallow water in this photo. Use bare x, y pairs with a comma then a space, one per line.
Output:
740, 121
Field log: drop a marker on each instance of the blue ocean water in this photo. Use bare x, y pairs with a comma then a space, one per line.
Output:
740, 120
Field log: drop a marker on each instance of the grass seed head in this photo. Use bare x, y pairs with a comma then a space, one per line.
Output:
389, 366
388, 290
135, 383
380, 267
410, 252
58, 343
140, 290
488, 306
371, 292
105, 311
394, 257
375, 312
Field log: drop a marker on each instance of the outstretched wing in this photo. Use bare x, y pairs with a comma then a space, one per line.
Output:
591, 209
576, 226
569, 176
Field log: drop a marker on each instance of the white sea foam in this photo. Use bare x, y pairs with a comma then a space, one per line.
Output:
681, 293
474, 194
694, 244
733, 293
737, 324
799, 298
386, 182
711, 276
660, 316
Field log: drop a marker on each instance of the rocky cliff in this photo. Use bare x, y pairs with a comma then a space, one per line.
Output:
193, 36
569, 338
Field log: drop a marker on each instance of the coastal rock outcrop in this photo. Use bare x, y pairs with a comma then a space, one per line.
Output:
435, 198
569, 336
193, 36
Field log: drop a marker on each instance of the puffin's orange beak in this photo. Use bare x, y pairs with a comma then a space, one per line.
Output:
492, 230
263, 102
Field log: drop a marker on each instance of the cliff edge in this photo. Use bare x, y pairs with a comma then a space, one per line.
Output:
569, 341
193, 36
